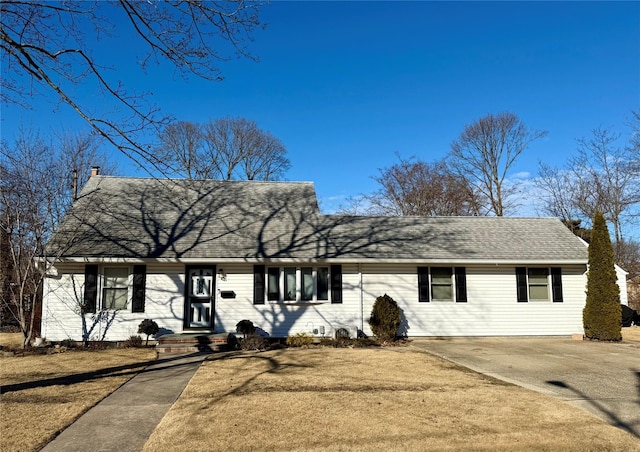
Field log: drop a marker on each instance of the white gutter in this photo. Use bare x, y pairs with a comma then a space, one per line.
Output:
453, 261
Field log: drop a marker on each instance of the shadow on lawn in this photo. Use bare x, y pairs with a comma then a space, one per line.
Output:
613, 419
274, 366
103, 373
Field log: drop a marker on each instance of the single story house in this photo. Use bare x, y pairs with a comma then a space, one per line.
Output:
202, 255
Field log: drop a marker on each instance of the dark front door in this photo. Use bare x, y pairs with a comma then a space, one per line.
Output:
199, 297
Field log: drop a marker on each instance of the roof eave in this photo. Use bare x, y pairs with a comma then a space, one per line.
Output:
348, 260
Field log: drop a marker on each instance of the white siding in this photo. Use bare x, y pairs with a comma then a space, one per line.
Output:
64, 292
165, 305
284, 319
491, 308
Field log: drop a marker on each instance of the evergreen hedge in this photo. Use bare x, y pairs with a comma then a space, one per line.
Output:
385, 318
602, 312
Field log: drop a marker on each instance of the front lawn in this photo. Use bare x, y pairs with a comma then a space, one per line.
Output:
368, 399
43, 394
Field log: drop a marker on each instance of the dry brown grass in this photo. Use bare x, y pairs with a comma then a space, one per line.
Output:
11, 340
368, 399
43, 394
631, 333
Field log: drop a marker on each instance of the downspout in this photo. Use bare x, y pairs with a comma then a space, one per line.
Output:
361, 297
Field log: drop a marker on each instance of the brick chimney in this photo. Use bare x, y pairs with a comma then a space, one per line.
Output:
95, 170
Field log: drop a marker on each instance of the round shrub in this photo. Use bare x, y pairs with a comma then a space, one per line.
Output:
148, 327
385, 318
245, 327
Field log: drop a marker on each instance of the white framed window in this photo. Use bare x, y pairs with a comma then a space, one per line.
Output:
115, 288
441, 284
297, 284
108, 288
538, 284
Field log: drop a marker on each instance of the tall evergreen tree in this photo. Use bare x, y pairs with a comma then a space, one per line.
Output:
602, 312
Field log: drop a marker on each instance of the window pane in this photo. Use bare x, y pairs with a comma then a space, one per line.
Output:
115, 291
116, 276
273, 290
307, 283
322, 275
443, 292
538, 292
114, 298
441, 283
538, 275
290, 283
440, 275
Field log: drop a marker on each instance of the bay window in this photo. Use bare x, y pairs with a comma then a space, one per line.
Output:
297, 284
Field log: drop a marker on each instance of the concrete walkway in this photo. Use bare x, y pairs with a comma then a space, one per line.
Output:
602, 378
124, 420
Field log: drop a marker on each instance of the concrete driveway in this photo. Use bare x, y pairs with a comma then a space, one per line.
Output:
602, 378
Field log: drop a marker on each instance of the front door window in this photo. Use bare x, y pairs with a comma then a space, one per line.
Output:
200, 300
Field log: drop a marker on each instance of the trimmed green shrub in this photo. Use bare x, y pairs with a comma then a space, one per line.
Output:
385, 318
148, 327
602, 312
300, 340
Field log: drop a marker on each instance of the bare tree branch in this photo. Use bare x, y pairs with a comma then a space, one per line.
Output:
485, 152
35, 192
46, 49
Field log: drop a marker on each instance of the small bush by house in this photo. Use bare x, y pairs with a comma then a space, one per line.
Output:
148, 327
300, 340
134, 341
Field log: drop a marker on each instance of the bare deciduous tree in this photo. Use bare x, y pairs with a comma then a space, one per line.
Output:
268, 161
47, 48
557, 186
484, 154
415, 187
602, 176
225, 148
35, 192
181, 150
605, 179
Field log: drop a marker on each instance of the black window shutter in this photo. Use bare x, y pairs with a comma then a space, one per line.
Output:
139, 287
521, 282
461, 285
258, 284
90, 288
556, 284
423, 284
336, 284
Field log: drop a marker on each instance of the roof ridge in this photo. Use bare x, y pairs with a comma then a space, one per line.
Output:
185, 179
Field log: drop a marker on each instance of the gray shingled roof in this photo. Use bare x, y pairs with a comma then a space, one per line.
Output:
233, 220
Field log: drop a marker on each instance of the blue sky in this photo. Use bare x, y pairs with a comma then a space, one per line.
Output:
347, 85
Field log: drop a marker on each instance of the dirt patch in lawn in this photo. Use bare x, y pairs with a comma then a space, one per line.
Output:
42, 394
366, 399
